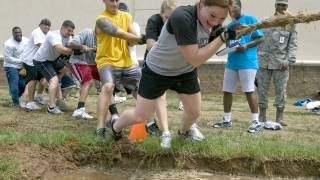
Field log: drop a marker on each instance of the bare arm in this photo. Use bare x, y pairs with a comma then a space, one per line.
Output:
251, 44
63, 50
103, 25
255, 42
83, 48
197, 56
75, 45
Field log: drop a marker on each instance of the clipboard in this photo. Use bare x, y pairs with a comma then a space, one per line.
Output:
231, 47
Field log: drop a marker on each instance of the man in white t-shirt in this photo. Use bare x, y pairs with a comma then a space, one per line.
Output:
45, 61
12, 63
36, 39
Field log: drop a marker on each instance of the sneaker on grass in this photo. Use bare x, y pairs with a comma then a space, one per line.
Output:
81, 113
222, 124
255, 127
195, 132
54, 110
190, 134
165, 140
101, 133
32, 106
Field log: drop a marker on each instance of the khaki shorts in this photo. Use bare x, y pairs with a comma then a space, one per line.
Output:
127, 77
245, 76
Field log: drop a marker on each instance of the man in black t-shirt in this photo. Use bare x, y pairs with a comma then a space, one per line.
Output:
156, 22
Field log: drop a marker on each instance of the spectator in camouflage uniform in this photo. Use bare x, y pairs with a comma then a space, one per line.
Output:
275, 56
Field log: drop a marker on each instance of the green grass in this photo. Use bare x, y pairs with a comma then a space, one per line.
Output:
9, 168
237, 144
218, 144
50, 138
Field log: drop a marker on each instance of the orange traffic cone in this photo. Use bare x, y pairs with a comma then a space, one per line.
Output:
138, 132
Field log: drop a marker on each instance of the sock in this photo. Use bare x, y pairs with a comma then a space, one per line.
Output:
113, 109
80, 104
255, 117
114, 116
150, 123
166, 133
227, 117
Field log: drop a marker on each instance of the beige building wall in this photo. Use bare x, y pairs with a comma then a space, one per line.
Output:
27, 14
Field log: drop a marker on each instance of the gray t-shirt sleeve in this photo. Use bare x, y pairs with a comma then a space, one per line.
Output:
81, 37
182, 23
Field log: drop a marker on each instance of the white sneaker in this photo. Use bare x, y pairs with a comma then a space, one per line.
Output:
81, 113
22, 102
32, 106
181, 108
39, 99
165, 140
195, 133
55, 110
255, 127
119, 99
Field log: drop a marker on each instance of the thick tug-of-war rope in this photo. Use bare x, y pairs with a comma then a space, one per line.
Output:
277, 21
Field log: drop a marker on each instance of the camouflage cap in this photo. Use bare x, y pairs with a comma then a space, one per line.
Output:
282, 2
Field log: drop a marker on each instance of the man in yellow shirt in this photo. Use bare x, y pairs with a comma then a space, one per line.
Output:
114, 31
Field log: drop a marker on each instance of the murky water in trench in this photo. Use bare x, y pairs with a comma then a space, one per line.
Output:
120, 174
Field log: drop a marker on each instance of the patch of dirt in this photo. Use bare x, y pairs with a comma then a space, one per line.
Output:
37, 162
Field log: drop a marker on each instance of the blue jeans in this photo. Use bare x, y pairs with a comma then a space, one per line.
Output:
16, 83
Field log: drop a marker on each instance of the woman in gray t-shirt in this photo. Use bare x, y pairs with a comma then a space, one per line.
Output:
183, 45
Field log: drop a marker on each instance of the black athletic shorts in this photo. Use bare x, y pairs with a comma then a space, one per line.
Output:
49, 69
32, 73
153, 85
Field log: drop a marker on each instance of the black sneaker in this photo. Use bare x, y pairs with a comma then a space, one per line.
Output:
115, 135
153, 129
101, 133
222, 124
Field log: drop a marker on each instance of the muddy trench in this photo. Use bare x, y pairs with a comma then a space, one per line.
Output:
37, 162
